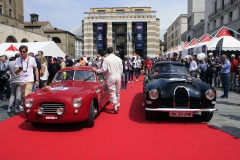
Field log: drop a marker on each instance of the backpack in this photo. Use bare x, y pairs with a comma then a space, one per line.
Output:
53, 68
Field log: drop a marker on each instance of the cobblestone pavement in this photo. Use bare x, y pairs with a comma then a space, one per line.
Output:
227, 118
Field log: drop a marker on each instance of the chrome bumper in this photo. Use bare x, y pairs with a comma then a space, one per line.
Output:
179, 110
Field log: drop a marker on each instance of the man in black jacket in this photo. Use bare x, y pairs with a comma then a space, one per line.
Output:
125, 74
209, 71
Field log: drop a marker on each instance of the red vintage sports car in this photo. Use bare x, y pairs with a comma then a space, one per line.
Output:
75, 94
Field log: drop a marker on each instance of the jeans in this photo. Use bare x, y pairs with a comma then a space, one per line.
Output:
125, 76
41, 85
16, 95
202, 75
209, 76
131, 75
4, 83
239, 82
216, 79
225, 79
232, 80
193, 73
137, 72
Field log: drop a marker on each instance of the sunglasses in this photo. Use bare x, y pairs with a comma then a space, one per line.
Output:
23, 51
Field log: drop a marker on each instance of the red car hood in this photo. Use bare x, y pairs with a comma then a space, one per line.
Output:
61, 92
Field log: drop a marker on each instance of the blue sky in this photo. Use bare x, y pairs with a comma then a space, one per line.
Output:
67, 14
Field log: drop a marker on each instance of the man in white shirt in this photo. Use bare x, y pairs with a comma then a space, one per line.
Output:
192, 67
112, 66
24, 68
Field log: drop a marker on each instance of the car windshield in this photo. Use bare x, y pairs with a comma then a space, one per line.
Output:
78, 75
169, 69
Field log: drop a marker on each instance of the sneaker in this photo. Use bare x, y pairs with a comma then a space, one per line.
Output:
222, 96
17, 110
9, 110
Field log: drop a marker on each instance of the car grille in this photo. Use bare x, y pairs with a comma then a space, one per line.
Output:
167, 102
51, 108
195, 102
181, 98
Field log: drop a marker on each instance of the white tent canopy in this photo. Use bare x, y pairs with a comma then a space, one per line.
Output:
224, 40
49, 48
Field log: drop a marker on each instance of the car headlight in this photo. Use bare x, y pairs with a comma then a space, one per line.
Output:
28, 102
210, 94
77, 102
153, 94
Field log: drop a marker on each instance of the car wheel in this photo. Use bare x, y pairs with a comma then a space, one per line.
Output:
148, 115
36, 124
207, 116
91, 116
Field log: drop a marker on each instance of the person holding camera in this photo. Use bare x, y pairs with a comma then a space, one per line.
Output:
4, 76
24, 67
132, 68
209, 71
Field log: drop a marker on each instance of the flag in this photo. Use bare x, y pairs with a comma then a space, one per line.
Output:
129, 37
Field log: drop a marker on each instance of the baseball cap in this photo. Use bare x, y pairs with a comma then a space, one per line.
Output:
210, 54
233, 55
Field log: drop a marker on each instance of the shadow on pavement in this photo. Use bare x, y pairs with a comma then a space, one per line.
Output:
66, 127
137, 114
227, 103
234, 131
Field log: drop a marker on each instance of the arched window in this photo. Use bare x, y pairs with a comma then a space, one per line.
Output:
24, 40
11, 39
35, 41
56, 40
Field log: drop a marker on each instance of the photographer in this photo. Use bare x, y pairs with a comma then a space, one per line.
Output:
4, 76
132, 69
209, 71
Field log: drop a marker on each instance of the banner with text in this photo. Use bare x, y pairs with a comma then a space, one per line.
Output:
139, 36
100, 36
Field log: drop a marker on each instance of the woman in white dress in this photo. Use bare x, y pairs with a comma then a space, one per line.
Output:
44, 71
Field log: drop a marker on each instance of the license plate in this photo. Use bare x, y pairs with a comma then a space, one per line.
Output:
51, 117
180, 114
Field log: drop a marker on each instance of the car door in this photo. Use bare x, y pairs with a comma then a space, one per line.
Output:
102, 85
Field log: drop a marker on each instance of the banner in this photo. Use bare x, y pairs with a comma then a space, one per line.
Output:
197, 50
139, 36
100, 36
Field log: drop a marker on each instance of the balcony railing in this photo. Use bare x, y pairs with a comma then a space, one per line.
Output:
219, 10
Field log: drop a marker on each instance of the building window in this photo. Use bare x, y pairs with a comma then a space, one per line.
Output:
100, 10
223, 4
172, 28
221, 21
120, 30
189, 23
215, 7
214, 24
120, 10
239, 33
230, 17
10, 2
138, 10
0, 9
172, 44
208, 27
120, 41
10, 13
172, 36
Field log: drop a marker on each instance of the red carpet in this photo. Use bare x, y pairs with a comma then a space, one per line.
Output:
124, 136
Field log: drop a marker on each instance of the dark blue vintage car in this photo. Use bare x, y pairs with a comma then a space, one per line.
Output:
170, 88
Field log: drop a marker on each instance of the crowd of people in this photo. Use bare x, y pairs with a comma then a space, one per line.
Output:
26, 73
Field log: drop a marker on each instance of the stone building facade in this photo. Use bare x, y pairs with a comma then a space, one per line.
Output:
119, 26
175, 30
11, 13
217, 13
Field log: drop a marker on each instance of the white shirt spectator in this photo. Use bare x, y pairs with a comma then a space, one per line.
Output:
193, 66
44, 77
27, 73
